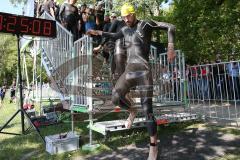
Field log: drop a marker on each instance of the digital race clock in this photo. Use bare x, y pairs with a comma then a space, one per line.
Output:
23, 25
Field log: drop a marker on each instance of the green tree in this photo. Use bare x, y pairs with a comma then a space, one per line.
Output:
8, 58
205, 28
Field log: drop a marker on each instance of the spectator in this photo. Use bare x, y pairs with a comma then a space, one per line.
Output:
113, 17
89, 19
48, 6
203, 77
218, 72
233, 76
176, 75
81, 24
69, 17
166, 84
56, 10
99, 13
13, 92
2, 93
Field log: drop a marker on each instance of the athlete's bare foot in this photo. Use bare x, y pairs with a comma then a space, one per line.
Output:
131, 117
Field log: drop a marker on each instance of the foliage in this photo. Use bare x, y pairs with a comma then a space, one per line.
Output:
8, 58
145, 9
205, 28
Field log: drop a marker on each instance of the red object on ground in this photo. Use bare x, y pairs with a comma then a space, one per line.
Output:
117, 109
28, 106
37, 124
162, 121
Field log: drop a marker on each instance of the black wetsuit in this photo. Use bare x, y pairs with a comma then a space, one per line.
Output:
106, 51
69, 17
138, 71
119, 54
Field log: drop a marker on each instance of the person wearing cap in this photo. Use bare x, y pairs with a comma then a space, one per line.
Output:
137, 74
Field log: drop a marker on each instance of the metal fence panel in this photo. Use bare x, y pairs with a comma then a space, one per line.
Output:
59, 52
168, 78
213, 90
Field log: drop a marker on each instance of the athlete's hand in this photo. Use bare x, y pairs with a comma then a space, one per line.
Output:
91, 32
171, 53
94, 32
96, 49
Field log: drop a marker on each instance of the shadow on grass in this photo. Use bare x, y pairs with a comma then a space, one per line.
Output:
178, 142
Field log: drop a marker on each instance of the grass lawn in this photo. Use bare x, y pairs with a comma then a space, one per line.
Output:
31, 146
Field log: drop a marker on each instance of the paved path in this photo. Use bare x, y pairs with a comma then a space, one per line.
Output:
190, 144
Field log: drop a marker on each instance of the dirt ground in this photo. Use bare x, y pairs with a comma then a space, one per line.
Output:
196, 143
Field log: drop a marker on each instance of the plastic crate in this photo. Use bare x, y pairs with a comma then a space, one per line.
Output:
63, 142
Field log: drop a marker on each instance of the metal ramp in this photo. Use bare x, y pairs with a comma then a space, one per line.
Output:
117, 125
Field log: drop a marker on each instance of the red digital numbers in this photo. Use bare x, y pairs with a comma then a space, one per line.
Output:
11, 24
1, 22
36, 27
24, 25
47, 28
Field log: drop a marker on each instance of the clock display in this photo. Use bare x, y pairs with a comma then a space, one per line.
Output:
23, 25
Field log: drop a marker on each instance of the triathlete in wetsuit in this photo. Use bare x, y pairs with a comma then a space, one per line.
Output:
69, 17
119, 54
137, 73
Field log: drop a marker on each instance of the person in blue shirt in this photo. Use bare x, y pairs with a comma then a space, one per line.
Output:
234, 83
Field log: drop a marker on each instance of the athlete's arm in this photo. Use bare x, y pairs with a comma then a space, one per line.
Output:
170, 28
106, 34
113, 29
165, 26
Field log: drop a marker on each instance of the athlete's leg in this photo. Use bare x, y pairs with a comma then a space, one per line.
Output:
120, 61
120, 90
120, 98
146, 93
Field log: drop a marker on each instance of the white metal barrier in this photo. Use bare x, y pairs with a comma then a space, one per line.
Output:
168, 77
82, 82
56, 55
213, 90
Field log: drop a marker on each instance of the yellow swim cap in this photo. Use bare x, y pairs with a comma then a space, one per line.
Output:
127, 9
